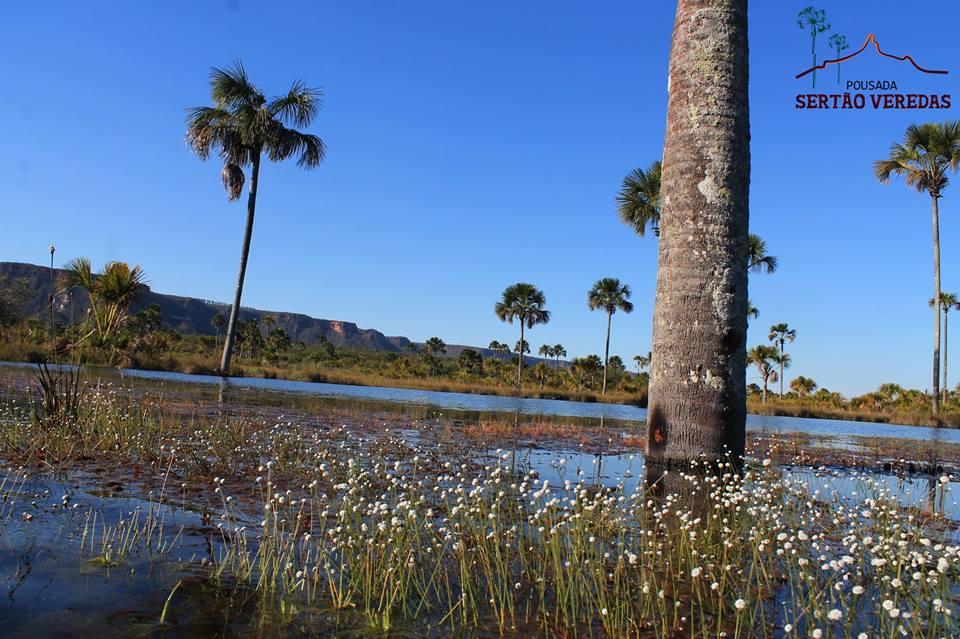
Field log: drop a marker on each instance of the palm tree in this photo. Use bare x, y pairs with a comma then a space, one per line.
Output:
638, 202
241, 126
765, 358
609, 295
698, 386
928, 152
111, 292
545, 351
499, 347
540, 373
780, 334
525, 303
948, 302
642, 362
217, 322
802, 386
558, 352
757, 259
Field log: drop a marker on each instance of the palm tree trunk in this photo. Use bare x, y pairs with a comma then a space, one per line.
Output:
936, 304
698, 374
244, 254
520, 360
606, 357
781, 369
946, 314
763, 400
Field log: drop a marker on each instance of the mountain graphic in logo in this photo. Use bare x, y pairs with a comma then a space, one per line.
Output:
871, 39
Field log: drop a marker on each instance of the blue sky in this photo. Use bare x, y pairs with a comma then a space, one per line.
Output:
471, 145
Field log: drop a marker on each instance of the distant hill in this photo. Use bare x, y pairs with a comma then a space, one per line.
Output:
191, 316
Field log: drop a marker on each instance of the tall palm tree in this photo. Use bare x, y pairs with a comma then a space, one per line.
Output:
928, 152
638, 202
765, 358
525, 303
948, 302
242, 126
780, 334
698, 387
608, 295
558, 352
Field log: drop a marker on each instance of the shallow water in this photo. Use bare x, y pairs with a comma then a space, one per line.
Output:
383, 398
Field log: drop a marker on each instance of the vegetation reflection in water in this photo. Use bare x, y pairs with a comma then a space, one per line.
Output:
398, 526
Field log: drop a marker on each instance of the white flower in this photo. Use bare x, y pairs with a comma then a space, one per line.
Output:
695, 572
834, 615
817, 633
740, 604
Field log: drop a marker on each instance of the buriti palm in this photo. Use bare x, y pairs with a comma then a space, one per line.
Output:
241, 127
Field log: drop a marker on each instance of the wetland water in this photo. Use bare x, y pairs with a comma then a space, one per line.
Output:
400, 399
51, 558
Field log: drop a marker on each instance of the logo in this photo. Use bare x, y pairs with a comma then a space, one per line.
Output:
877, 93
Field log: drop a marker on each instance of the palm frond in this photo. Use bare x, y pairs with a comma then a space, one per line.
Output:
298, 107
285, 143
638, 202
231, 88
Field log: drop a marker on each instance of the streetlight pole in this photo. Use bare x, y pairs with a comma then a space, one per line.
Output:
53, 326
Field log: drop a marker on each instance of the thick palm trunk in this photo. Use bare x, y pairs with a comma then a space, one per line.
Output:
763, 399
698, 377
606, 356
244, 254
936, 306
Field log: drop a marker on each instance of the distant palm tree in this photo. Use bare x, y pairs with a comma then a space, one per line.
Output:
765, 359
948, 302
525, 303
638, 202
928, 152
217, 322
540, 373
558, 352
111, 292
802, 386
545, 351
609, 295
241, 126
757, 259
642, 362
499, 347
780, 334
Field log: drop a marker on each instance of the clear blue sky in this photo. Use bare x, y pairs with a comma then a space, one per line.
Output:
471, 145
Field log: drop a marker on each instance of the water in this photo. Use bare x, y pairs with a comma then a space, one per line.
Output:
473, 403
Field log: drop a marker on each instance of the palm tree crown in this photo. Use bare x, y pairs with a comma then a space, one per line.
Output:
523, 302
638, 202
242, 123
609, 294
948, 302
927, 152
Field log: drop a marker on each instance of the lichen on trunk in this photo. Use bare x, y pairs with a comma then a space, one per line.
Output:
697, 382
